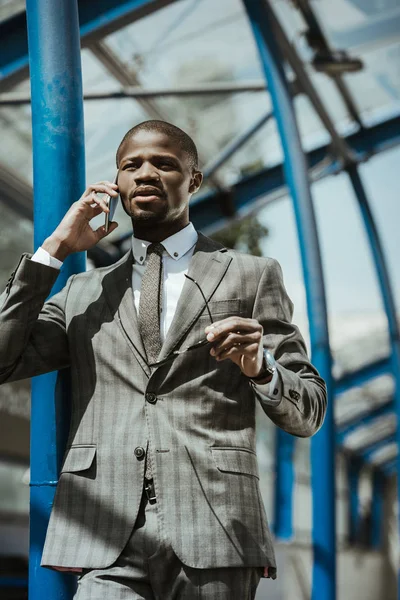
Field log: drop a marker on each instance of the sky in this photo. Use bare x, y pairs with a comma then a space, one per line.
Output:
348, 267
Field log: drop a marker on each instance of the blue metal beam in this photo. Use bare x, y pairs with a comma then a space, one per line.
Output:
369, 449
284, 482
204, 210
296, 175
58, 148
96, 19
362, 376
389, 467
387, 295
353, 477
367, 419
378, 483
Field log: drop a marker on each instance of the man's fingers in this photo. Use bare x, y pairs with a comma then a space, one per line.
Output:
250, 350
229, 325
237, 340
93, 199
101, 231
99, 188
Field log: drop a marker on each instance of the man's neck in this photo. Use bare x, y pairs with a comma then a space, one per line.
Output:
157, 234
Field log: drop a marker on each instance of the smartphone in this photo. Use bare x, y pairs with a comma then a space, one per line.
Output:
112, 202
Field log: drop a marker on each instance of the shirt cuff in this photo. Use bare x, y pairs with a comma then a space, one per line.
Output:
43, 257
271, 391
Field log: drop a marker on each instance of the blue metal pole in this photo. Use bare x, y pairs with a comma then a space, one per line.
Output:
386, 294
378, 481
323, 444
59, 179
353, 475
284, 482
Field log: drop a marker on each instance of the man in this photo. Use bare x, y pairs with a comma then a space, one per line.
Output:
169, 351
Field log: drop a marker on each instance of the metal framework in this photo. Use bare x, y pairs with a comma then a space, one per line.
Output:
322, 457
99, 19
58, 147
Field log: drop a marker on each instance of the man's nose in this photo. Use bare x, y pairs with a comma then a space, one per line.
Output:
147, 172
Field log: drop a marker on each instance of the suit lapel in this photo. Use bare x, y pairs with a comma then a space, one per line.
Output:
117, 286
208, 266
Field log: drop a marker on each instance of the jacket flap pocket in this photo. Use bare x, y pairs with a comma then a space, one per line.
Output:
230, 307
236, 460
78, 458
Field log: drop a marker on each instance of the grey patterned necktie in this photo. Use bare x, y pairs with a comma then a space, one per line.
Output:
150, 302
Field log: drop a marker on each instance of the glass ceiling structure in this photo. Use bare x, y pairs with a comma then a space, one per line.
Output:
195, 63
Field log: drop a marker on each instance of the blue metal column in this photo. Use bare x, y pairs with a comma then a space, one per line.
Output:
353, 476
323, 444
378, 482
387, 297
284, 484
59, 179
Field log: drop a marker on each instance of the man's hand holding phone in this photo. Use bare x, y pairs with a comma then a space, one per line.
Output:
112, 202
74, 233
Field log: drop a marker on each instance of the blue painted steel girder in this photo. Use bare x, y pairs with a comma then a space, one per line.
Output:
323, 460
389, 467
59, 179
363, 375
353, 477
367, 419
97, 19
204, 209
386, 291
368, 450
378, 483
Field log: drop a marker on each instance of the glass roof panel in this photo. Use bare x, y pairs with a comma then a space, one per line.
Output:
359, 402
368, 30
366, 33
381, 428
385, 454
9, 8
190, 41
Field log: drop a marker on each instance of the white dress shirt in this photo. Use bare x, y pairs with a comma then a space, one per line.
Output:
176, 258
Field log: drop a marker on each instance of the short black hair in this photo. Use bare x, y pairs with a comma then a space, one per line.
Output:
178, 135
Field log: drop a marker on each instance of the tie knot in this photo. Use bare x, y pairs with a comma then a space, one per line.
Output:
155, 248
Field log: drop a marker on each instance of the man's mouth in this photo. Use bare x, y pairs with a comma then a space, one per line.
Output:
148, 193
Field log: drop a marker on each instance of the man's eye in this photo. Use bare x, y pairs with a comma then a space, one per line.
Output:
130, 168
166, 165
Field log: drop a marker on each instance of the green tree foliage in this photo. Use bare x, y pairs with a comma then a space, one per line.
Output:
244, 235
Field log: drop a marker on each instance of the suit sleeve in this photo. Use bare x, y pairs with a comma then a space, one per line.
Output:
299, 403
33, 338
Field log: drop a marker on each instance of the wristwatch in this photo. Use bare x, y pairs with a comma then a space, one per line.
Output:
268, 368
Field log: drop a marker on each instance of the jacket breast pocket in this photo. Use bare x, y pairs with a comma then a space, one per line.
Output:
235, 460
79, 459
220, 309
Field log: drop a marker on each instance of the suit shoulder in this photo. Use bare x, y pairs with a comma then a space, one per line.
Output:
259, 262
94, 275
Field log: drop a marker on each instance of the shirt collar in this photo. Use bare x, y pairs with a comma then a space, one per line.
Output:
176, 245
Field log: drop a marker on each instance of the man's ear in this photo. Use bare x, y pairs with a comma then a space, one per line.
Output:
195, 182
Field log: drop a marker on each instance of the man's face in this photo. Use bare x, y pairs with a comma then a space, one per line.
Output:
156, 179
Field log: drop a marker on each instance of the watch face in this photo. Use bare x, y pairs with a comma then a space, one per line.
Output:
270, 362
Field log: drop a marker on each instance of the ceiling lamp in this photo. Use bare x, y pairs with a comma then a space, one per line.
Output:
336, 62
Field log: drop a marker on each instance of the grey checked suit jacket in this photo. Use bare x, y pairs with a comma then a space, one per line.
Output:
198, 415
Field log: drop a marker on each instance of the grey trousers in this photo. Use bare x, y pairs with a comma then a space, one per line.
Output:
148, 569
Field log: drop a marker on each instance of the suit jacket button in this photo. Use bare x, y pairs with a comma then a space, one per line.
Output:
139, 452
150, 397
